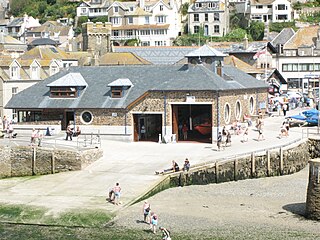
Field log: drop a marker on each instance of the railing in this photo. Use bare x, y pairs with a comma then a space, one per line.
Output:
89, 140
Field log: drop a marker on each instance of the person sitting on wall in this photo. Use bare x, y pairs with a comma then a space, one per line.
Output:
77, 132
174, 168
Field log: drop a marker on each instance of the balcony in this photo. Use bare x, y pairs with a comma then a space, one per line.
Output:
115, 38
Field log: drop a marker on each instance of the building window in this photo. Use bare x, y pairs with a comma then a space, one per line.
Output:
212, 5
196, 17
83, 10
130, 20
115, 20
198, 5
131, 9
116, 9
251, 105
161, 7
129, 32
53, 70
281, 7
14, 72
161, 19
146, 20
227, 113
216, 29
86, 117
259, 7
269, 6
115, 33
34, 72
238, 110
282, 17
63, 92
195, 29
216, 17
14, 90
147, 43
116, 92
206, 18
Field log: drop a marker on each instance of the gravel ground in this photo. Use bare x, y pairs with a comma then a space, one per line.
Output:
254, 208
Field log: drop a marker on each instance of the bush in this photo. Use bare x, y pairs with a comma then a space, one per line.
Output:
278, 26
256, 30
100, 19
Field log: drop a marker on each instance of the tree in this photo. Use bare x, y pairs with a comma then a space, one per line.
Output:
256, 30
184, 8
236, 35
17, 7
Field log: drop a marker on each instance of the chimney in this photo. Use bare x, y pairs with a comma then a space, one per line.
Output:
246, 42
219, 68
141, 4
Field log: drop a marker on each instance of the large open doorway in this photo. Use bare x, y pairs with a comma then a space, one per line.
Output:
147, 127
192, 122
69, 119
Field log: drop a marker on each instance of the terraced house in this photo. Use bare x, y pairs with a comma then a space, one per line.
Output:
119, 101
210, 15
152, 23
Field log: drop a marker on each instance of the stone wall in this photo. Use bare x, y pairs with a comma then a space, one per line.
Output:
313, 193
28, 161
275, 162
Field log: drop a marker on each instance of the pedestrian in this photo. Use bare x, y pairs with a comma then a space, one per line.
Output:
111, 195
165, 233
146, 211
228, 140
224, 134
69, 132
117, 193
185, 131
186, 165
153, 222
33, 137
180, 130
10, 129
174, 168
219, 141
245, 135
143, 132
283, 131
39, 136
284, 109
278, 108
260, 128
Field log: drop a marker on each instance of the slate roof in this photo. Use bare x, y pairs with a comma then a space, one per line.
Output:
205, 51
43, 41
16, 22
158, 55
121, 82
123, 58
283, 36
143, 77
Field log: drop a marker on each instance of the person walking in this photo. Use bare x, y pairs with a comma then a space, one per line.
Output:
33, 137
117, 193
153, 222
69, 133
165, 233
219, 141
260, 128
284, 109
245, 135
146, 211
39, 137
228, 140
185, 131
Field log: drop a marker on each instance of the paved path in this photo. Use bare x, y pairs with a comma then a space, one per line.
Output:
130, 164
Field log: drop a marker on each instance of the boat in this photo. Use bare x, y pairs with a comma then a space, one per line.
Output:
204, 128
308, 117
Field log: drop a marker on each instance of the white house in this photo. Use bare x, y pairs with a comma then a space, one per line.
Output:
270, 10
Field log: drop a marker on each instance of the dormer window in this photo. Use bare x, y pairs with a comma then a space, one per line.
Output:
14, 74
34, 72
116, 92
15, 70
116, 9
119, 87
161, 7
68, 86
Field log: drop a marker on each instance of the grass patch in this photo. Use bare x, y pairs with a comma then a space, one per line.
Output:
21, 214
83, 218
35, 215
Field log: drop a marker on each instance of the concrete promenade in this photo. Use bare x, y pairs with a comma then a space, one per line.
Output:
131, 164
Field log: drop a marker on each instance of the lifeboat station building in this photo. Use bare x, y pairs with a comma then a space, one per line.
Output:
145, 102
